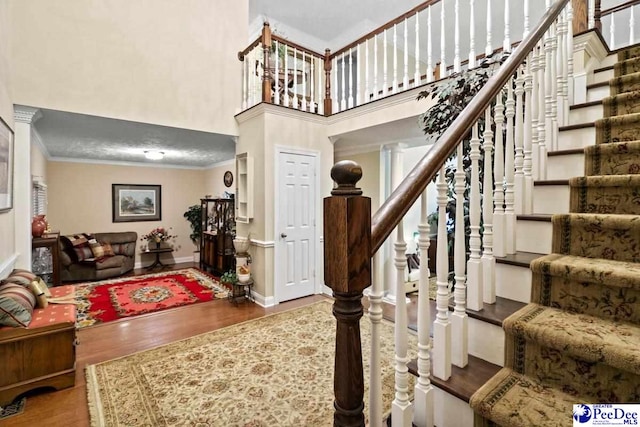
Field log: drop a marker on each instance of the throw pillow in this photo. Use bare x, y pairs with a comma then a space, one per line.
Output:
40, 291
108, 250
16, 305
22, 277
96, 249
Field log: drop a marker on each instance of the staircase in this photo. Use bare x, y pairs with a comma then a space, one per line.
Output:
577, 340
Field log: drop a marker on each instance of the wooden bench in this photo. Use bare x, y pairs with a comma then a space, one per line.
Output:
40, 356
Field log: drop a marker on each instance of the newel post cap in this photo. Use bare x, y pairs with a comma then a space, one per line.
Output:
346, 174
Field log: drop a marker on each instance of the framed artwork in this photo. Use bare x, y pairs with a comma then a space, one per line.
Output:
132, 202
228, 179
6, 167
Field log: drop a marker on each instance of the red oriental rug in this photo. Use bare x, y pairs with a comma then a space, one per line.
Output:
108, 300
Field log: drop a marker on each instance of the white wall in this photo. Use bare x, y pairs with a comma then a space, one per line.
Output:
155, 61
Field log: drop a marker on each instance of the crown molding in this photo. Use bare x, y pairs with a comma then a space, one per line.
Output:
122, 163
230, 162
24, 114
278, 110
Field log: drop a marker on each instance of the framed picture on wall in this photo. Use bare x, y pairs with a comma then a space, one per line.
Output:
6, 167
133, 202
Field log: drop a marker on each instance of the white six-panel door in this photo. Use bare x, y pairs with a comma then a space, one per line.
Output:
295, 226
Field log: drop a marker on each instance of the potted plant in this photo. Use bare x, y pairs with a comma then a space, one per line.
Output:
194, 216
229, 278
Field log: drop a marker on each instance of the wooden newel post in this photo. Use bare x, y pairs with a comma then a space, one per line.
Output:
597, 12
580, 15
327, 82
266, 74
347, 270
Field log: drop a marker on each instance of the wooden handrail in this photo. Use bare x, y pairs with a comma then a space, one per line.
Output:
619, 7
244, 52
403, 197
296, 46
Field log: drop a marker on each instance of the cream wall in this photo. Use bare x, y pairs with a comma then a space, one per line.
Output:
38, 161
7, 242
154, 61
370, 182
213, 177
80, 199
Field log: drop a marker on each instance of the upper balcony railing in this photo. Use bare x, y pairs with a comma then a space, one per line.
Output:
418, 47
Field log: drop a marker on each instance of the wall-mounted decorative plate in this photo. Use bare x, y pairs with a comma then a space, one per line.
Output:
228, 179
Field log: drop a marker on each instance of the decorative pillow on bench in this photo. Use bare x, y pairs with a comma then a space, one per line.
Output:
17, 301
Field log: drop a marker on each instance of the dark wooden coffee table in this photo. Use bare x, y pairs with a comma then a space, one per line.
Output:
157, 252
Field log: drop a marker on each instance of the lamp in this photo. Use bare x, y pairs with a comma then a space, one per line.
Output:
154, 155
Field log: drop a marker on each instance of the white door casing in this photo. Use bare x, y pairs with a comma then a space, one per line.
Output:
296, 203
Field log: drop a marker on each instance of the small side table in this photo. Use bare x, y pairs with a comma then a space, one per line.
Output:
241, 290
157, 252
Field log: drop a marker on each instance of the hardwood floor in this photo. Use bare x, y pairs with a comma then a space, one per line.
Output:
119, 338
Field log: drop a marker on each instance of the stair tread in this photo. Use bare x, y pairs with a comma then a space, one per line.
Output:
463, 381
589, 338
627, 180
585, 104
568, 152
508, 390
576, 126
620, 274
543, 182
520, 259
535, 217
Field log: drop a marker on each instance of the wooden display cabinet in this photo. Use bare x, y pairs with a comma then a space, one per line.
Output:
46, 258
216, 246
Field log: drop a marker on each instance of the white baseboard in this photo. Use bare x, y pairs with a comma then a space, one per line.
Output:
262, 300
8, 265
176, 261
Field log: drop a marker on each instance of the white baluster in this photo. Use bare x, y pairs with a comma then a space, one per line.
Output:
417, 77
375, 67
405, 78
401, 408
276, 70
474, 265
312, 85
245, 76
350, 99
518, 180
632, 26
343, 86
472, 35
375, 317
295, 99
561, 63
612, 31
530, 105
591, 13
367, 88
542, 114
553, 31
394, 82
336, 99
509, 173
320, 89
286, 77
429, 48
459, 319
358, 76
385, 85
442, 326
525, 33
456, 38
443, 62
423, 391
488, 50
254, 77
488, 261
304, 83
498, 178
549, 81
569, 40
506, 44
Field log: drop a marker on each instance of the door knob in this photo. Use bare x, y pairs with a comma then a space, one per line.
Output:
283, 235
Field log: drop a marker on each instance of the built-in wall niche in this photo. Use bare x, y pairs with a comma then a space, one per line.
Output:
244, 188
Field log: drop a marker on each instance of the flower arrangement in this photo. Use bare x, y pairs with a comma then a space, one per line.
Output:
159, 234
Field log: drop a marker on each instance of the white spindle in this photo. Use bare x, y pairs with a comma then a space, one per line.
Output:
276, 75
394, 82
459, 319
443, 62
295, 99
312, 85
632, 26
367, 88
488, 50
442, 326
343, 86
375, 317
506, 45
498, 178
488, 261
350, 99
401, 409
553, 30
245, 76
529, 129
417, 77
385, 85
286, 77
569, 41
520, 132
474, 265
472, 34
359, 75
549, 81
591, 11
612, 31
429, 48
336, 99
525, 33
405, 77
320, 89
304, 83
563, 99
456, 38
423, 392
509, 173
542, 114
375, 67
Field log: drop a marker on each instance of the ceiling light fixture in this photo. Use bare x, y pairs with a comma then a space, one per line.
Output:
154, 155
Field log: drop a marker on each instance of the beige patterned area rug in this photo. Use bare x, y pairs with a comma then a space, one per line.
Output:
272, 371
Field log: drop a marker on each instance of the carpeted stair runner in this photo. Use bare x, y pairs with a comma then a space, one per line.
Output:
578, 341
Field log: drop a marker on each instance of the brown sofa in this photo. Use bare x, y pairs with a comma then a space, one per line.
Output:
74, 269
